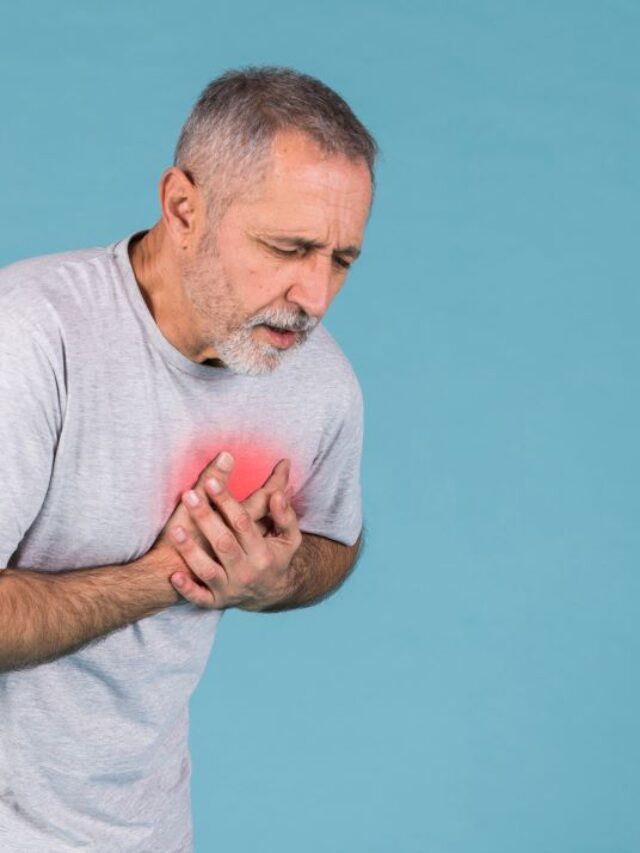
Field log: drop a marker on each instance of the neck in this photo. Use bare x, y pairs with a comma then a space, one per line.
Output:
159, 277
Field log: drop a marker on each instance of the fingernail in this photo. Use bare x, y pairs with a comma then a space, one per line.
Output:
214, 485
284, 503
178, 580
178, 534
192, 499
225, 461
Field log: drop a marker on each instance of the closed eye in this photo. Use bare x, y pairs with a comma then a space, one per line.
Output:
287, 252
342, 263
300, 253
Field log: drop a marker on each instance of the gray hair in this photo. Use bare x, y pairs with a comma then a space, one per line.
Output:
228, 134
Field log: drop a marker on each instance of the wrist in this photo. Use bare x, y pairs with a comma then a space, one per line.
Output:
158, 565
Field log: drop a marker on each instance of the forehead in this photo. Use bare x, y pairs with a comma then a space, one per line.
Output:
294, 156
302, 181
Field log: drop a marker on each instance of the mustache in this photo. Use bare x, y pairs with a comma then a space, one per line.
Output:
280, 319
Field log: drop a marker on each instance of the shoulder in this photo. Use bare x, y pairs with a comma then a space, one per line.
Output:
43, 305
46, 296
31, 287
44, 266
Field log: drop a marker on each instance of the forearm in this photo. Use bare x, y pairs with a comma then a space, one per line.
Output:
319, 567
45, 615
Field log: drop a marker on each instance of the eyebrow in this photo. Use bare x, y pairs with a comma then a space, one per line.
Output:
304, 243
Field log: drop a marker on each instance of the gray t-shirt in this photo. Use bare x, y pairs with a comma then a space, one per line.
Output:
102, 424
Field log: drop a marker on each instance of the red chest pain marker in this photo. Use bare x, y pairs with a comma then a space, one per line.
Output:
254, 461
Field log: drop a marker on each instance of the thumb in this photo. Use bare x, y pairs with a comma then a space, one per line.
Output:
257, 503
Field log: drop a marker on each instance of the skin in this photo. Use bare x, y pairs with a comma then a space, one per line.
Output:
216, 553
201, 284
56, 613
279, 254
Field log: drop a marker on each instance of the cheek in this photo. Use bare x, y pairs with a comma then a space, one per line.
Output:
260, 285
254, 275
243, 278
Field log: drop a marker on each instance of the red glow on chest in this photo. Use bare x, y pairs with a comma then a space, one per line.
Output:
254, 461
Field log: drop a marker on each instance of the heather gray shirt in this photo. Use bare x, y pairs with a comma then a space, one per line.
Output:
102, 424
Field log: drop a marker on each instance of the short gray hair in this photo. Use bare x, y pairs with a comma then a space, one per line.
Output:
229, 131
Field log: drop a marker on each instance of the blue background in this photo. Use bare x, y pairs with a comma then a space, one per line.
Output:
473, 688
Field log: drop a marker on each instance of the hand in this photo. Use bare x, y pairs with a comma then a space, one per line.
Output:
256, 504
242, 567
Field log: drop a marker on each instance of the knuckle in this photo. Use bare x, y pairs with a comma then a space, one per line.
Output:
208, 574
247, 578
242, 521
187, 546
224, 542
199, 511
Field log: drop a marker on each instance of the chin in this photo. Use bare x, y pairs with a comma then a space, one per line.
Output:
245, 355
253, 364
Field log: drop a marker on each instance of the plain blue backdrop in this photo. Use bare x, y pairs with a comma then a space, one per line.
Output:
473, 688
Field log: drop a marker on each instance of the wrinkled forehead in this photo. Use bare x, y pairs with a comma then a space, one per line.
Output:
304, 189
297, 161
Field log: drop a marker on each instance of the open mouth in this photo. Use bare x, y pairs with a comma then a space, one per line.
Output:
281, 336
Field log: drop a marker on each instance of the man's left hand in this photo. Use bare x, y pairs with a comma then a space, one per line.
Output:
246, 569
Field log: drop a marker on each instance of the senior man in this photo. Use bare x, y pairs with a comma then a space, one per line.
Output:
193, 348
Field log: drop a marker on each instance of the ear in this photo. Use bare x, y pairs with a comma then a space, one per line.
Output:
181, 204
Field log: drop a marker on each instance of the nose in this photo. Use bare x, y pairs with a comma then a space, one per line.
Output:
312, 287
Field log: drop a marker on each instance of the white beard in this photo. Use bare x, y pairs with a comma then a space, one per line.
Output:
242, 353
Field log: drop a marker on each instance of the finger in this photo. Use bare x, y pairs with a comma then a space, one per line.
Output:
235, 515
202, 566
220, 468
227, 550
285, 519
193, 592
257, 504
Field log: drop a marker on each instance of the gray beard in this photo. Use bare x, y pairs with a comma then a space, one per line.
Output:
238, 349
244, 355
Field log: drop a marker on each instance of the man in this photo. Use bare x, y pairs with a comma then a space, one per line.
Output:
127, 370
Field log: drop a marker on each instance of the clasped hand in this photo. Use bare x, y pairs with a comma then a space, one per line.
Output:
239, 554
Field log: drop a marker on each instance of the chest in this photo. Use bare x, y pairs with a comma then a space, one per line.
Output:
127, 451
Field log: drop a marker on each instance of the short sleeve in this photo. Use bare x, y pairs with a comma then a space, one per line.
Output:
329, 503
30, 422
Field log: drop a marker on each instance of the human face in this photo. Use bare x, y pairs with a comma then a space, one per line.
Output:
278, 256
